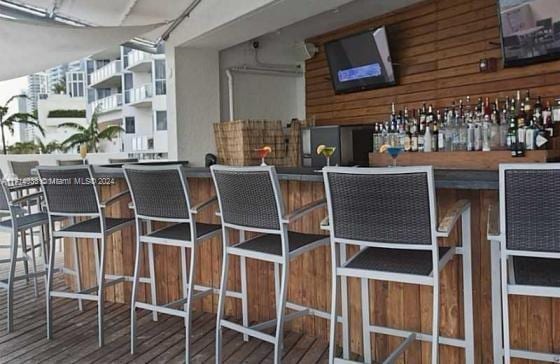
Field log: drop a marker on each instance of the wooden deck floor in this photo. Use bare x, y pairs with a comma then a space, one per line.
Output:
75, 338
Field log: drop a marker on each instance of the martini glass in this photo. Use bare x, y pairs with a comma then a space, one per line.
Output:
394, 152
328, 152
263, 153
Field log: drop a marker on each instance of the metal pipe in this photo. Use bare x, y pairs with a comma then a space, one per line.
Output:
229, 76
185, 14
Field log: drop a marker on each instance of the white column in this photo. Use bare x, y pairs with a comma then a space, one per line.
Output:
193, 102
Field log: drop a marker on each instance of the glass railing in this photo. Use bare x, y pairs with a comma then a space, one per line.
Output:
107, 104
111, 69
138, 94
136, 57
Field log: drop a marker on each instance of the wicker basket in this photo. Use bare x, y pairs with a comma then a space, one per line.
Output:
237, 141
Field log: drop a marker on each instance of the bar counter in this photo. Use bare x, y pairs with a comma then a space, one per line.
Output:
392, 304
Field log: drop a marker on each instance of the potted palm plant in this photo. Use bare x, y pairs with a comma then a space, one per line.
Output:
89, 135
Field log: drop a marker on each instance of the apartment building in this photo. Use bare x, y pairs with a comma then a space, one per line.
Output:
127, 87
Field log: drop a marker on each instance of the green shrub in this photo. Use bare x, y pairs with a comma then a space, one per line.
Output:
67, 114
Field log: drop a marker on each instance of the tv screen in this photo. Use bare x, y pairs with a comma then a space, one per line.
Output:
360, 62
530, 30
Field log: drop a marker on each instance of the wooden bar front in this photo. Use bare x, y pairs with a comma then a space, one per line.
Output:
535, 321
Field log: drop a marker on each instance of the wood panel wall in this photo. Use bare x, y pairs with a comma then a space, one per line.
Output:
438, 45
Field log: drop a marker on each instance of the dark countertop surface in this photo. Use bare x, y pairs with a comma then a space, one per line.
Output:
445, 178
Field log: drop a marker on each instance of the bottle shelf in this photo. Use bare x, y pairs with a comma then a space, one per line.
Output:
464, 160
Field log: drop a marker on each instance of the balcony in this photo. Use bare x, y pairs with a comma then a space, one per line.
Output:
108, 76
107, 104
140, 96
139, 61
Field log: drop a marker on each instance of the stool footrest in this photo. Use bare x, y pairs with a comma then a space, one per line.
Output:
249, 331
161, 309
195, 296
76, 296
460, 343
400, 349
271, 323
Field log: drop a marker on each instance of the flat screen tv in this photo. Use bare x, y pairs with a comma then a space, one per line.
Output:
360, 62
530, 31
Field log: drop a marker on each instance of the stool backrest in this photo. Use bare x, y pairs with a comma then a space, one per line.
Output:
69, 190
249, 197
530, 206
4, 206
381, 205
71, 162
122, 160
22, 169
159, 192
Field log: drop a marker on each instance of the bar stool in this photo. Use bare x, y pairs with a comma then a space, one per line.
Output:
23, 169
71, 162
250, 200
71, 192
161, 194
366, 207
17, 225
528, 254
122, 160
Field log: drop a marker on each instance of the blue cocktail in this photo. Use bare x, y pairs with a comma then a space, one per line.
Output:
394, 152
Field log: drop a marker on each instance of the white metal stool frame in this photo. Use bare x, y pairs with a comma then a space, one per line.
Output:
340, 272
184, 242
502, 266
85, 176
280, 273
19, 226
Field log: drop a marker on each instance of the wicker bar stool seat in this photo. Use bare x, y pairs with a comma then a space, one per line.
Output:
271, 244
525, 249
160, 194
537, 271
250, 200
396, 261
71, 192
391, 215
179, 231
18, 225
93, 226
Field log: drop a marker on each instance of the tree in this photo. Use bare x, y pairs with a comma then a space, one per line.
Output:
17, 118
49, 147
23, 148
90, 134
60, 86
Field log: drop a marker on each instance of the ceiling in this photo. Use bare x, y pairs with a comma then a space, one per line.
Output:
110, 12
293, 20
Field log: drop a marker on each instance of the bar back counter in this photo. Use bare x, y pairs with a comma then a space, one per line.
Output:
392, 304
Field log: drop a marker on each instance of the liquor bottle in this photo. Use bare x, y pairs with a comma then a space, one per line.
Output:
530, 135
504, 125
470, 136
402, 131
376, 138
477, 136
547, 120
408, 138
517, 149
414, 132
421, 132
527, 104
521, 124
538, 111
486, 134
428, 138
437, 135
